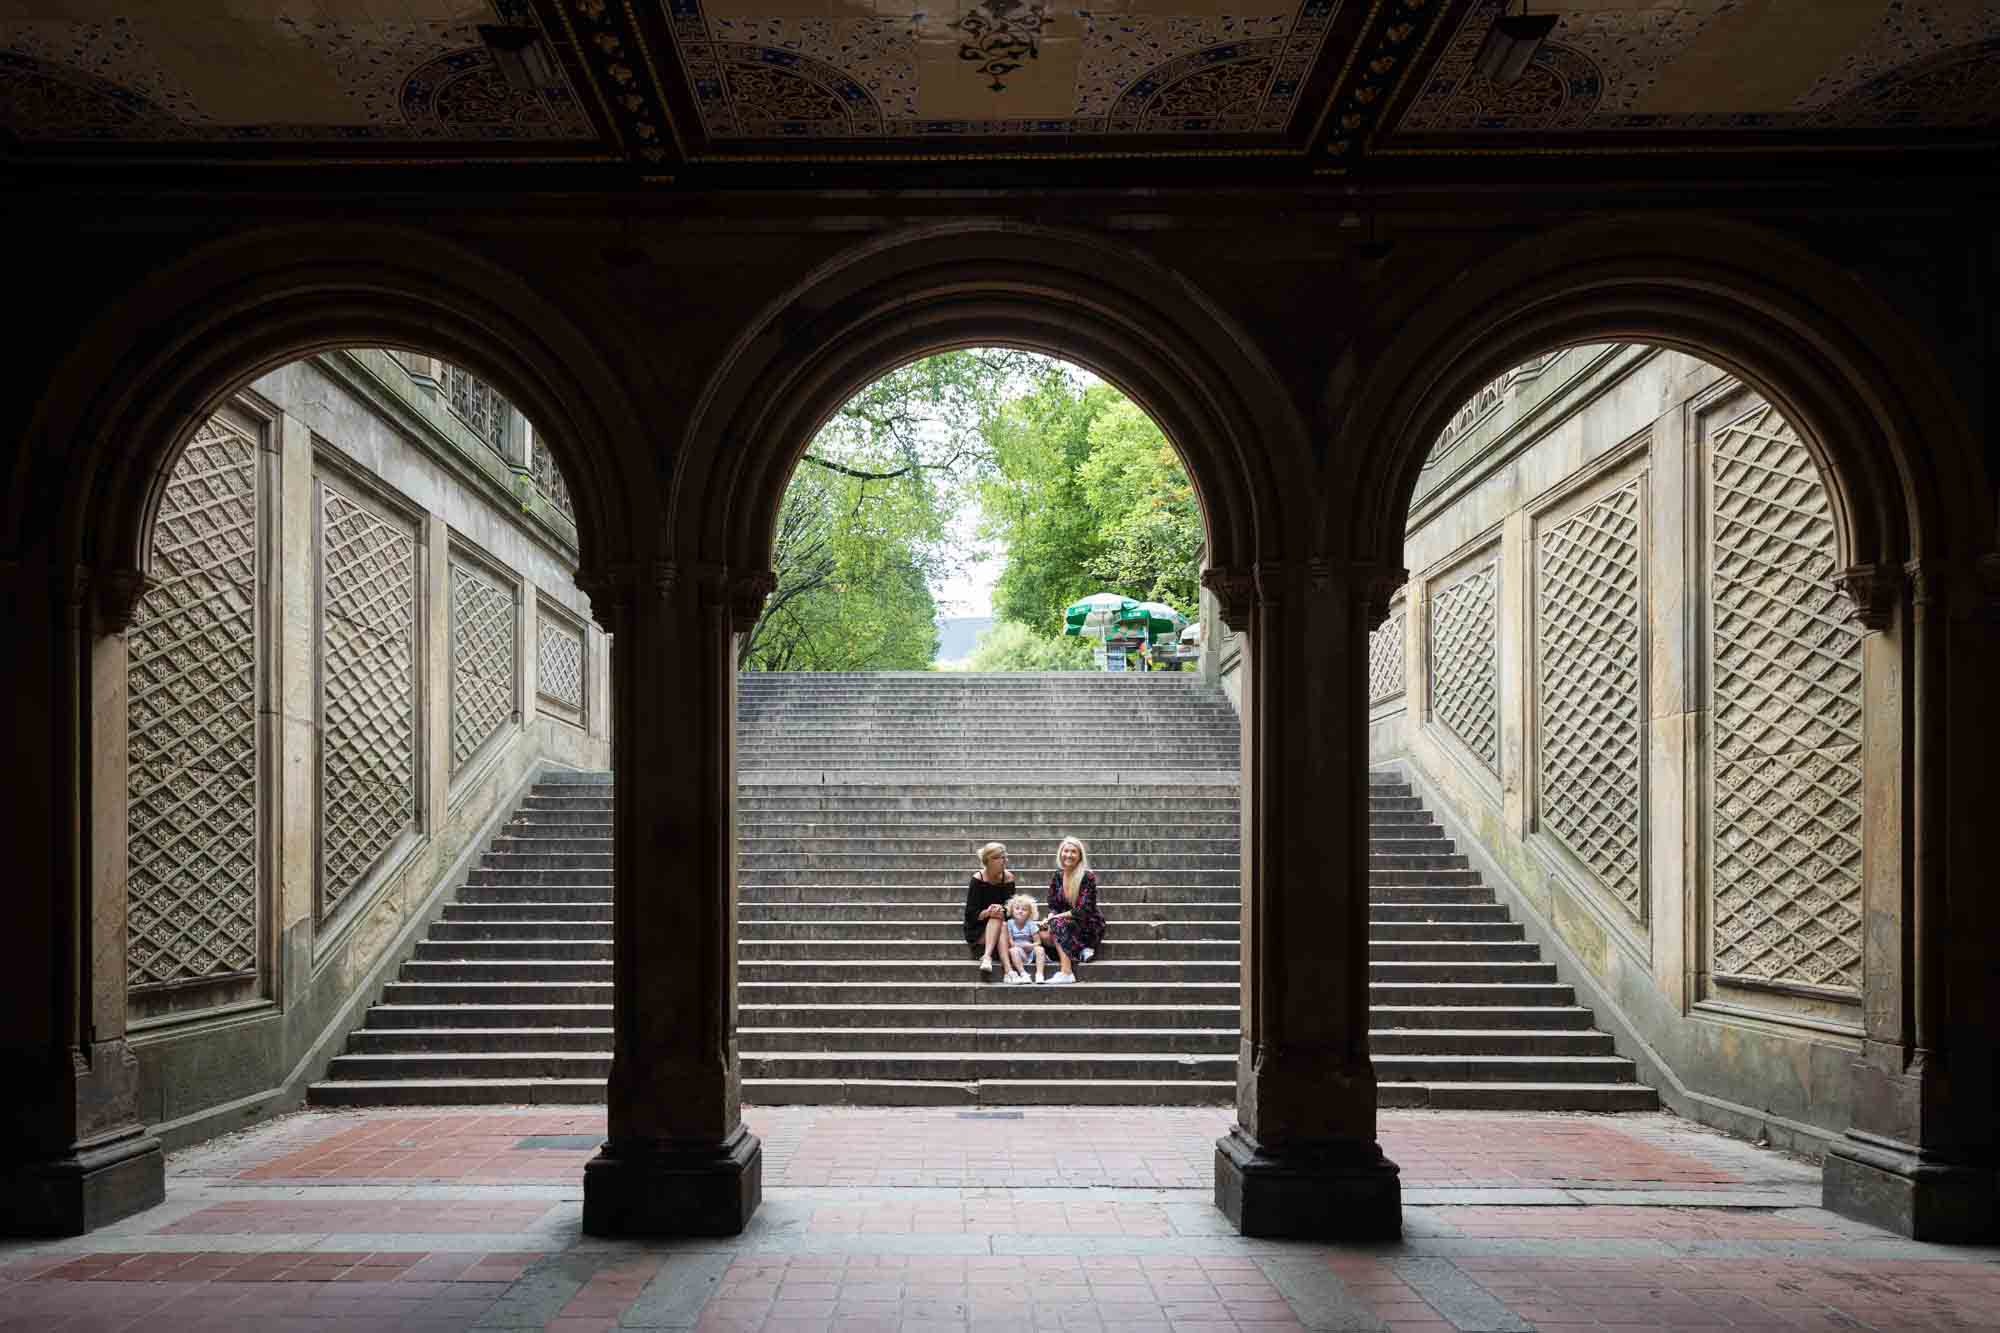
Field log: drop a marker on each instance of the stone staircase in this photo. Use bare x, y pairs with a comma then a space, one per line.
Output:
862, 798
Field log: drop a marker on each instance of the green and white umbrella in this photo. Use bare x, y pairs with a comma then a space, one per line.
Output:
1162, 621
1099, 614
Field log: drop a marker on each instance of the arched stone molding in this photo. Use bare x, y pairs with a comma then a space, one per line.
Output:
1142, 327
140, 382
1901, 464
1871, 395
88, 474
1305, 1157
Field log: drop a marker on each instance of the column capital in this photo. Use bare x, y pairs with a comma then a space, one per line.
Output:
118, 594
1235, 590
1372, 587
1958, 589
616, 590
1874, 590
742, 593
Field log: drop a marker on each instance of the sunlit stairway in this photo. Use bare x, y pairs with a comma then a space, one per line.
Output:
861, 802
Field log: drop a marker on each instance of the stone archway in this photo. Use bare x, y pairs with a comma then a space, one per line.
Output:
1905, 485
1305, 1157
109, 428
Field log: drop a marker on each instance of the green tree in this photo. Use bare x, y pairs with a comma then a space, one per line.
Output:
1087, 495
1011, 646
864, 529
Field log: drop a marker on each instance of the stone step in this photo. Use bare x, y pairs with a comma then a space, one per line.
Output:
998, 801
1382, 911
1497, 1096
1485, 1041
953, 910
1117, 897
886, 949
1008, 1007
1168, 845
1160, 866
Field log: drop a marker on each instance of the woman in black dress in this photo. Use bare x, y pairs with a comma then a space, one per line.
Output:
986, 898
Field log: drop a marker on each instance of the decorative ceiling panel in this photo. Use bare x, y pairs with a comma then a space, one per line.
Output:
336, 71
667, 84
1615, 70
957, 69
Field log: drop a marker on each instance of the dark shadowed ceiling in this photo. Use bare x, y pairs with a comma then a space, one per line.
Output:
662, 85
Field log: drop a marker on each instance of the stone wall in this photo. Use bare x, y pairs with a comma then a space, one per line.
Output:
360, 640
1622, 672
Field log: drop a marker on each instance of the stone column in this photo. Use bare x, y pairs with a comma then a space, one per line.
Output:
73, 1152
1303, 1159
1920, 1158
678, 1160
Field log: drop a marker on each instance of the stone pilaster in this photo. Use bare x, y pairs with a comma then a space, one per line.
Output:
1303, 1159
678, 1160
1920, 1158
73, 1153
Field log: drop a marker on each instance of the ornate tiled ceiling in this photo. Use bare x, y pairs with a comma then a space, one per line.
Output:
665, 83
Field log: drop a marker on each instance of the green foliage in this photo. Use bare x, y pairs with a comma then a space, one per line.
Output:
864, 528
1087, 496
1077, 482
1011, 646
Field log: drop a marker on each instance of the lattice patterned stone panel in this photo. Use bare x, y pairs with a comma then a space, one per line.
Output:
549, 481
1465, 661
1385, 659
1589, 699
482, 659
368, 700
559, 668
191, 882
1786, 675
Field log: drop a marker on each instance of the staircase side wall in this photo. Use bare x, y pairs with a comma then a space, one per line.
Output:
1564, 537
487, 595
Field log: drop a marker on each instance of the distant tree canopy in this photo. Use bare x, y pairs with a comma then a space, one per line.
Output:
1011, 646
1077, 484
1087, 496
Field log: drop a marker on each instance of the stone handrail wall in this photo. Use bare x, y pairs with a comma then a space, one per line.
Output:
355, 646
1627, 673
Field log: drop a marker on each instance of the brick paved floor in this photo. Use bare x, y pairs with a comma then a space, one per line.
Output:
919, 1221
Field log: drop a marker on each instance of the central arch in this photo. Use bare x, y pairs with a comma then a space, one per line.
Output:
1122, 315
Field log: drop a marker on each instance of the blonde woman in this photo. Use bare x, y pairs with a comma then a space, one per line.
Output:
1073, 925
986, 897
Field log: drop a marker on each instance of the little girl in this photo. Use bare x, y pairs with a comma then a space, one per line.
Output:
1024, 940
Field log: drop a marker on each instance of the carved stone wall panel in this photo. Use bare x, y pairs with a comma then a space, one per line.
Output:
1386, 671
560, 665
483, 659
192, 882
1589, 701
1785, 674
368, 690
1465, 660
549, 481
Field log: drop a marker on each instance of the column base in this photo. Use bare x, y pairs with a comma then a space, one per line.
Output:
1335, 1191
709, 1190
87, 1189
1901, 1190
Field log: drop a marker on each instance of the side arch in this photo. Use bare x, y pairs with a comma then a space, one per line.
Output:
1122, 315
1843, 366
125, 401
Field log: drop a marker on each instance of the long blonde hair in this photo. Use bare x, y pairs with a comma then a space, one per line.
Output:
1073, 879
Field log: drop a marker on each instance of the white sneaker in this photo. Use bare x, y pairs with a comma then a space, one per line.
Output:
1089, 954
986, 966
1014, 979
1062, 979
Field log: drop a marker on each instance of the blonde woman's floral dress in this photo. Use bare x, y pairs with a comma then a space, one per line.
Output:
1083, 928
